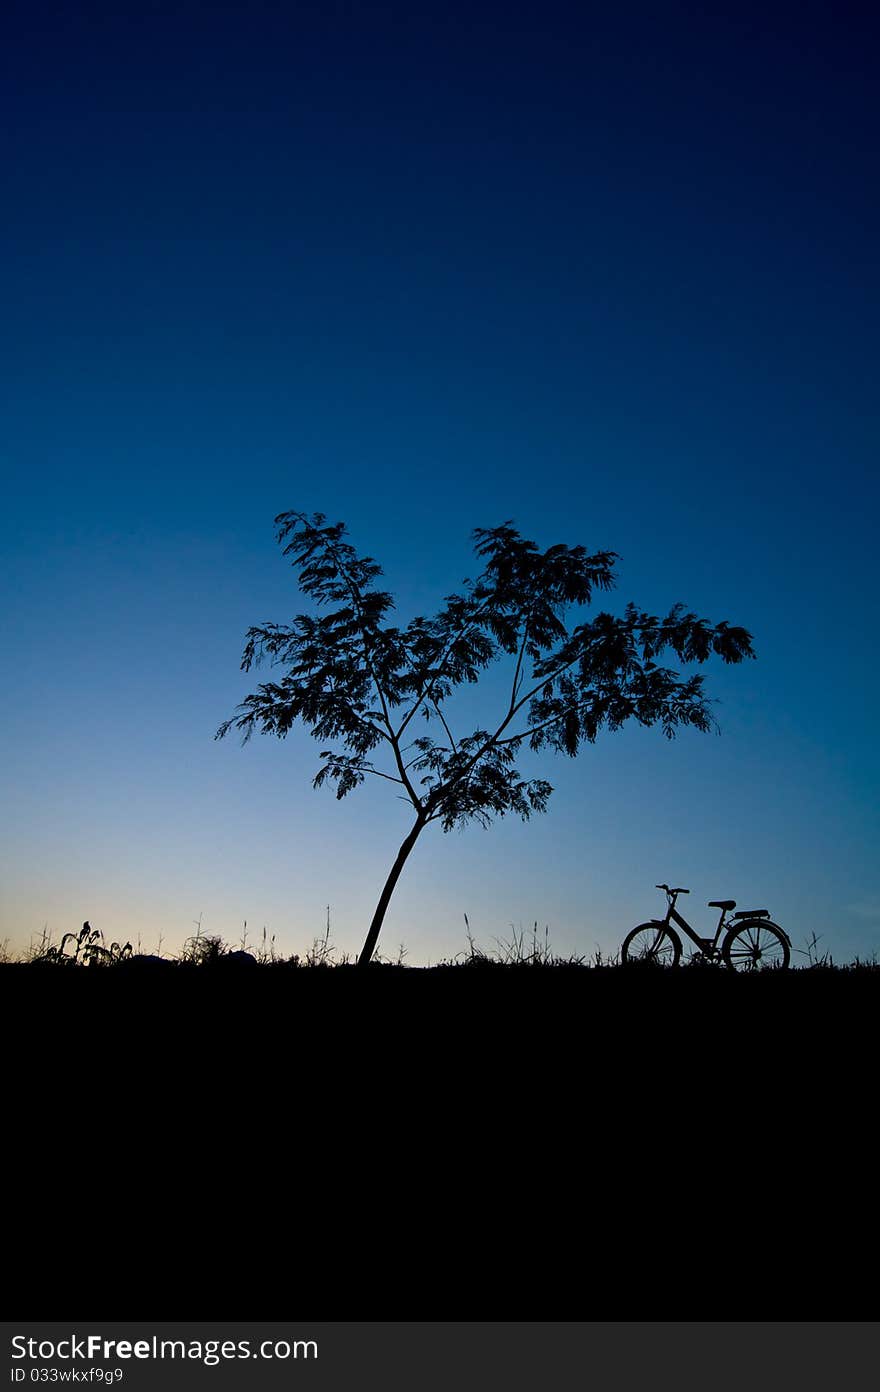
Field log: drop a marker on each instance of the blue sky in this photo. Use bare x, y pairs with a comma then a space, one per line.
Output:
425, 269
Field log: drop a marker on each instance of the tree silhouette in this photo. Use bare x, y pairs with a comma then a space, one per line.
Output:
359, 682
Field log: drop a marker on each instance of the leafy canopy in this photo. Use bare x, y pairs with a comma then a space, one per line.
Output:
358, 681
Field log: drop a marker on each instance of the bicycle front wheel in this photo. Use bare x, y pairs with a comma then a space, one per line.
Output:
651, 944
756, 945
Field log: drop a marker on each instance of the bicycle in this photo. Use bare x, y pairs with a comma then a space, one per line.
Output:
751, 942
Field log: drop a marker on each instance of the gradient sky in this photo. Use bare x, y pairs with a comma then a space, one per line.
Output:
609, 271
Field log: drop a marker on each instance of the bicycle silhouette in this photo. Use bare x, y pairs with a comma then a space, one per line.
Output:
751, 942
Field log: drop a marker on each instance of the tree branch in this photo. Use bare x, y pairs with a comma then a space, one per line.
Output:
437, 671
516, 676
393, 739
449, 733
367, 768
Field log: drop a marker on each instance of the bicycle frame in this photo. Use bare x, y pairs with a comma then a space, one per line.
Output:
707, 945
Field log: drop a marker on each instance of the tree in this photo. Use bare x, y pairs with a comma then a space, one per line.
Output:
359, 682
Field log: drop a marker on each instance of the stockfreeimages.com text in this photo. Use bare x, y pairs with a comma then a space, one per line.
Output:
210, 1351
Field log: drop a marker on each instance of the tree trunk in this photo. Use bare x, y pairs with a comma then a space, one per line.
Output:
369, 946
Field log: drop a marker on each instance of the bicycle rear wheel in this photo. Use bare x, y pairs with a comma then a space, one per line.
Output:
652, 945
756, 945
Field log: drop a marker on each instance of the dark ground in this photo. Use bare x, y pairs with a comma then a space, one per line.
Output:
507, 1143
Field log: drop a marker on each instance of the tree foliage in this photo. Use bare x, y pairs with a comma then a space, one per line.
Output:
358, 681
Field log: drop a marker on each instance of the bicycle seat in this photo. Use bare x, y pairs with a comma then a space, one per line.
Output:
722, 904
753, 913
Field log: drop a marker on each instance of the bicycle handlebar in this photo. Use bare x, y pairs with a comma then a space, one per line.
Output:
672, 891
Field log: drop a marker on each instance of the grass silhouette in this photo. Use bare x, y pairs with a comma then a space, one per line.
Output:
520, 951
